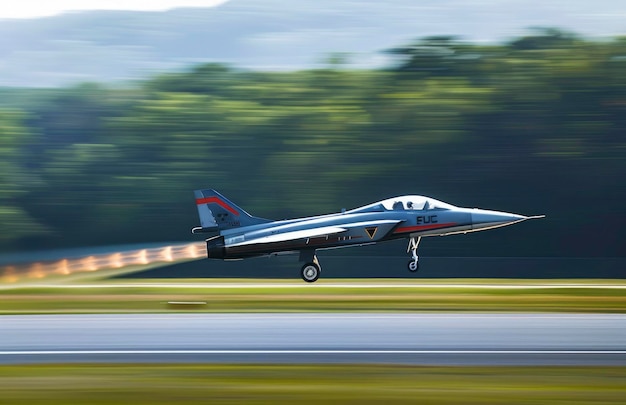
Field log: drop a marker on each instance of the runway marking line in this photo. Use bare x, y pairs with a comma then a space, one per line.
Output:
286, 316
235, 352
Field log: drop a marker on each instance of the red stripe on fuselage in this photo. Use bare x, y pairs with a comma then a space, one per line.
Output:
416, 228
218, 201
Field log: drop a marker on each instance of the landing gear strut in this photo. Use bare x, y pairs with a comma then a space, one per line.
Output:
414, 263
311, 270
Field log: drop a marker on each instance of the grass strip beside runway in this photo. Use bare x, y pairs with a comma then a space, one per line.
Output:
352, 296
308, 384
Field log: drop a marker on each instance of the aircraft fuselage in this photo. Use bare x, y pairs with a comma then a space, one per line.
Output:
361, 229
406, 217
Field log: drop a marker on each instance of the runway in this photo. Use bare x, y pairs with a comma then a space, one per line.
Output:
442, 339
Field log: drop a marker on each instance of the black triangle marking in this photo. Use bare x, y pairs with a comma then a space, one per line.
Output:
371, 231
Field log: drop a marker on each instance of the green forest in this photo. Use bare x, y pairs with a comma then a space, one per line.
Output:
536, 125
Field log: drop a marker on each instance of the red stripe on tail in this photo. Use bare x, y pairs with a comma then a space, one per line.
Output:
218, 201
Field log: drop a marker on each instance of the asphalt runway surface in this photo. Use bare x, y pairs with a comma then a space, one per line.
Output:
437, 339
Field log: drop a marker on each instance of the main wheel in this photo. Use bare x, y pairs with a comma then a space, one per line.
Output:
310, 272
413, 266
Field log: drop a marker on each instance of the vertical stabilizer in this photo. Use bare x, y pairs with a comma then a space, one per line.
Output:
218, 213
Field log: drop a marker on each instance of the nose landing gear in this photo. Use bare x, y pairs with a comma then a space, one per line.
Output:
414, 263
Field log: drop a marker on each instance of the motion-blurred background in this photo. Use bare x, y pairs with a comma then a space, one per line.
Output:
109, 119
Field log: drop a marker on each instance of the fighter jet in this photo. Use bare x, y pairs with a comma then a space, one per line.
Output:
238, 235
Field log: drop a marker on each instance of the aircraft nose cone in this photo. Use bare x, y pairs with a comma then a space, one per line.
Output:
485, 219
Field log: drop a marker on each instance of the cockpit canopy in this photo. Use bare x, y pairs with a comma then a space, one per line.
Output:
414, 202
407, 202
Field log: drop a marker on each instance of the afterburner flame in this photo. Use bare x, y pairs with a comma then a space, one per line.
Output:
192, 251
88, 264
142, 256
63, 267
9, 275
117, 260
167, 254
37, 271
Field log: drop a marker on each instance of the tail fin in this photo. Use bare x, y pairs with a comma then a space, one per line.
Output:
218, 213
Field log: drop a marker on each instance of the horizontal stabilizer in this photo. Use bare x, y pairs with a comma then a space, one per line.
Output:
200, 229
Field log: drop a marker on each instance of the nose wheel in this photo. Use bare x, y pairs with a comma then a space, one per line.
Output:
414, 263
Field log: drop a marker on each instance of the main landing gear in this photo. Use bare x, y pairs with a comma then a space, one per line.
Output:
311, 269
413, 244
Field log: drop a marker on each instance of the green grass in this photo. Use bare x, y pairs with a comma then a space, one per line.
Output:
329, 295
308, 384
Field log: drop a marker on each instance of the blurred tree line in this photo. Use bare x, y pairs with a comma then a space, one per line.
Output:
534, 126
